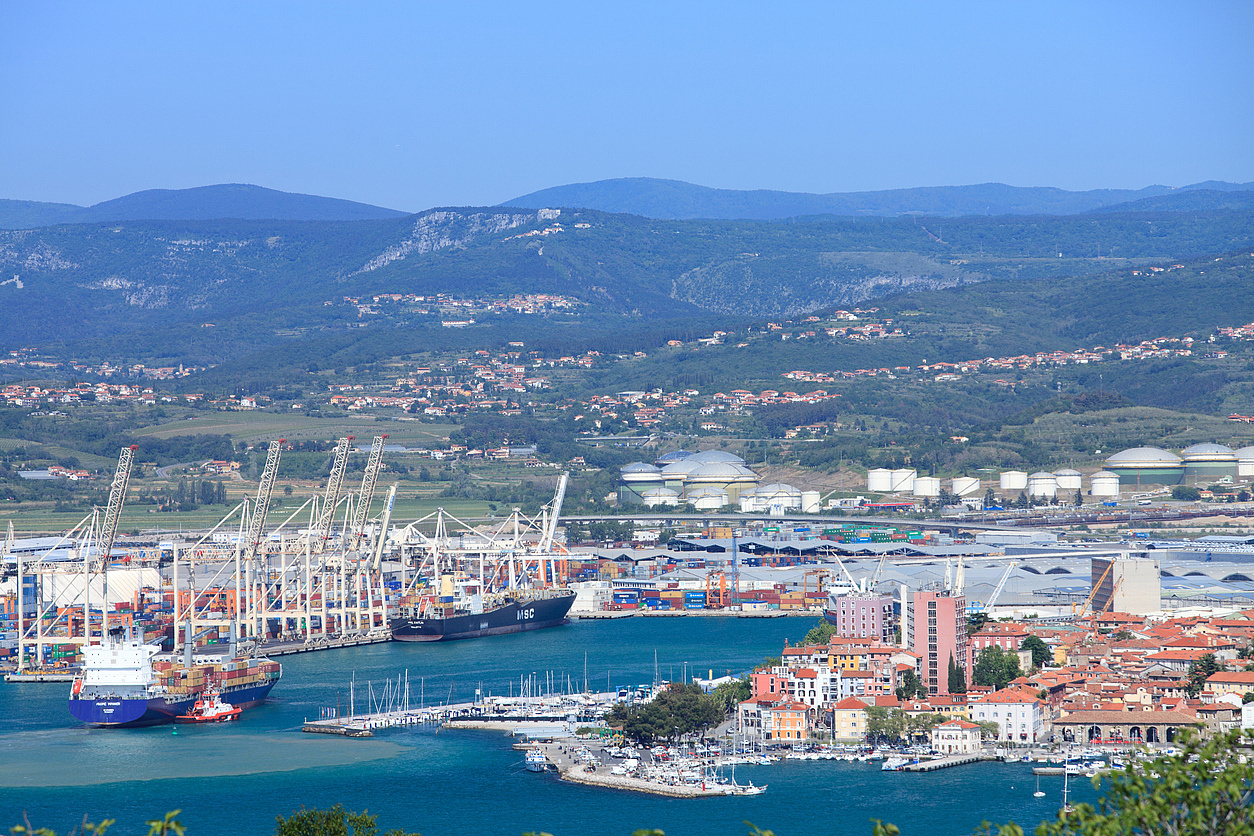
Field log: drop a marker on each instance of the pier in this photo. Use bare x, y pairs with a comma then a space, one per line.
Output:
946, 762
286, 648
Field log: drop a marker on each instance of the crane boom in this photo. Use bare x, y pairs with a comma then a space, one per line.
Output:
257, 523
117, 495
335, 483
384, 522
366, 495
1001, 584
546, 545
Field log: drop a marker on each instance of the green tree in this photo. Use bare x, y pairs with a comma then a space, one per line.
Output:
957, 680
1079, 498
1185, 493
976, 622
1040, 651
334, 822
994, 667
885, 723
911, 687
820, 633
732, 694
1200, 671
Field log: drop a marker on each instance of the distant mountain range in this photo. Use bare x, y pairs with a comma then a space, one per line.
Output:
677, 200
205, 203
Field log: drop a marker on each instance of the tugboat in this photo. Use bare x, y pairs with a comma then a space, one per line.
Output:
210, 708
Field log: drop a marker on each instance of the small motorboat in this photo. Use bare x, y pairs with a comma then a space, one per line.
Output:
210, 708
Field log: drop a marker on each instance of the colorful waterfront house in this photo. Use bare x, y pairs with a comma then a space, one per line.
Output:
1018, 716
957, 737
786, 722
849, 720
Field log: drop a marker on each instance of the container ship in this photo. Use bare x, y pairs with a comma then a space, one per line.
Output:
121, 684
443, 618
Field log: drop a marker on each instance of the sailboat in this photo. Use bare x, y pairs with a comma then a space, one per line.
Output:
1038, 793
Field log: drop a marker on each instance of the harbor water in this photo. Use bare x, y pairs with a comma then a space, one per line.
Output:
235, 778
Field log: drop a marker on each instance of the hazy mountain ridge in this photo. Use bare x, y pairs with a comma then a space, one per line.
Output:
231, 200
675, 200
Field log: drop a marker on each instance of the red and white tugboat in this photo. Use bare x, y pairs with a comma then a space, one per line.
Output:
210, 708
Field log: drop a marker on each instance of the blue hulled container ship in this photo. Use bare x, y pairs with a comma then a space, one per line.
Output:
123, 686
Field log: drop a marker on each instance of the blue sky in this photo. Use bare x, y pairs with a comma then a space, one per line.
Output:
412, 105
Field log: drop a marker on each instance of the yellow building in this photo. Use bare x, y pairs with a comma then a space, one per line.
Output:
849, 720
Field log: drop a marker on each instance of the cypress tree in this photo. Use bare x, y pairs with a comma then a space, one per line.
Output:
957, 678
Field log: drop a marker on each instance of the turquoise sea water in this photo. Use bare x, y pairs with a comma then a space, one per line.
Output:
235, 779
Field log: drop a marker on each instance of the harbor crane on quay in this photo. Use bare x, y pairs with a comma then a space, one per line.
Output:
64, 574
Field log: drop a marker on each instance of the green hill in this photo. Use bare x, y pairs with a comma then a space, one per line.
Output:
215, 288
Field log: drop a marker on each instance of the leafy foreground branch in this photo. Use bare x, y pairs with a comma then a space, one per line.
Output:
1206, 790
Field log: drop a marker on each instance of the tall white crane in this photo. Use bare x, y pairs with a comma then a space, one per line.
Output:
331, 499
117, 495
554, 511
384, 522
366, 495
257, 523
104, 539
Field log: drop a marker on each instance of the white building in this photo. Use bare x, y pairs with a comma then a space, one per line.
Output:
1018, 717
957, 737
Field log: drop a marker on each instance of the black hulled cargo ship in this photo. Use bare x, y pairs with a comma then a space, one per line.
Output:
431, 619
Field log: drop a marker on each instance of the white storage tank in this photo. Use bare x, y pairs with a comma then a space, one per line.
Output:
903, 479
1014, 480
965, 485
1104, 483
879, 480
1042, 484
928, 486
661, 496
1245, 461
1067, 479
810, 502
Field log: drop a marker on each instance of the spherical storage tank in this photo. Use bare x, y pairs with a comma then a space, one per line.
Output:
638, 477
1208, 462
1014, 480
1067, 479
903, 479
879, 480
1104, 483
928, 486
965, 485
1042, 484
1146, 466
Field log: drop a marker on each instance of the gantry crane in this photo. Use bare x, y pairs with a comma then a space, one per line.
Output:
108, 531
365, 496
331, 498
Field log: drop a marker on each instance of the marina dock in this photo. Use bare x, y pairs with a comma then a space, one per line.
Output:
946, 762
281, 648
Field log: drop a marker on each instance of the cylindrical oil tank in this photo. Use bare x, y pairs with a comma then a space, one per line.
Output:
879, 480
1245, 461
1042, 484
928, 486
1104, 483
1067, 479
1014, 480
965, 485
903, 478
810, 502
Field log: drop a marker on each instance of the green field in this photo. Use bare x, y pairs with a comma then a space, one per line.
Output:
260, 426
